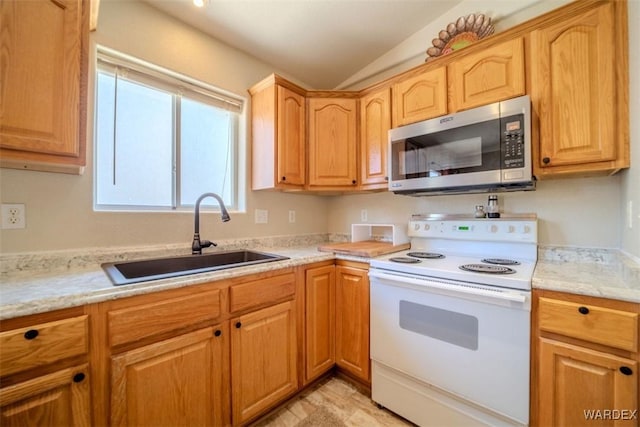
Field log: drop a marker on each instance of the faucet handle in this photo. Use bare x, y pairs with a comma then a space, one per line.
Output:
207, 243
197, 245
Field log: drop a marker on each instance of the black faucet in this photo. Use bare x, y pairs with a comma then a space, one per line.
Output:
197, 245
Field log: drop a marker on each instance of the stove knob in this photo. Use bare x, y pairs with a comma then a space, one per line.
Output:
416, 226
427, 227
511, 229
493, 228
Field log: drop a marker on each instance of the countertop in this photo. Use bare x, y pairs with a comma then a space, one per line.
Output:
594, 272
39, 282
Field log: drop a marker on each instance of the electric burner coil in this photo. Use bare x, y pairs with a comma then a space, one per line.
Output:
487, 268
500, 261
425, 255
405, 260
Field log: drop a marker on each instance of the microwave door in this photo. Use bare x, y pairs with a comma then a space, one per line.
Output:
463, 156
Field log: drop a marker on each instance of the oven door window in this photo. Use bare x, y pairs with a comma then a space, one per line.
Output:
466, 149
444, 325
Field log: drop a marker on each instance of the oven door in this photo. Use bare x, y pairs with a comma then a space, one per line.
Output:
470, 341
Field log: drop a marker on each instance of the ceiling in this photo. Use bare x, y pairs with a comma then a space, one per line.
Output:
318, 42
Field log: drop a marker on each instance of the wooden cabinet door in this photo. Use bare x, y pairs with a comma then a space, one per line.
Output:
278, 136
420, 97
332, 142
42, 90
488, 76
263, 360
573, 91
573, 380
375, 122
291, 138
352, 321
179, 381
58, 399
320, 287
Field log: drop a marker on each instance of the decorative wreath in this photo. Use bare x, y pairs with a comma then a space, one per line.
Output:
459, 34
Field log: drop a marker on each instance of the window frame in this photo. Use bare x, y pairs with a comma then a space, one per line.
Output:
179, 86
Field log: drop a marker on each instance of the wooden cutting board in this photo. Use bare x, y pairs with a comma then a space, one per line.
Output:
365, 248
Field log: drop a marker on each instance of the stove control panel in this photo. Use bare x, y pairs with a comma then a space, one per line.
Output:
476, 229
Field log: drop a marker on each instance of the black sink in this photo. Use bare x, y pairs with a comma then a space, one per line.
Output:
124, 273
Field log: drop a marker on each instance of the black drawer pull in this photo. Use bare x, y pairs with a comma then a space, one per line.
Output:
583, 310
217, 333
546, 160
31, 334
626, 370
238, 324
78, 377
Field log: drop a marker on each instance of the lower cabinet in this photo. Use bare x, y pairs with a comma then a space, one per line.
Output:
352, 320
585, 361
217, 354
179, 381
263, 360
61, 398
582, 384
320, 321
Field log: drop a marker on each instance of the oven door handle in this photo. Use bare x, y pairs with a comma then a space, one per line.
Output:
451, 288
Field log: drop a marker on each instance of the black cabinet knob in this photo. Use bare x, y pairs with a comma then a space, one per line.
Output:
353, 181
546, 160
386, 178
583, 310
626, 370
284, 178
78, 377
238, 325
217, 333
31, 334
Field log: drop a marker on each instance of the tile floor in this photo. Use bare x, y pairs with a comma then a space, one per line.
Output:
335, 402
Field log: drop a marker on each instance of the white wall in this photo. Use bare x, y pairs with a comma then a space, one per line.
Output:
60, 207
631, 177
573, 212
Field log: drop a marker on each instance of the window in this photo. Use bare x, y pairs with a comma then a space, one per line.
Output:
162, 139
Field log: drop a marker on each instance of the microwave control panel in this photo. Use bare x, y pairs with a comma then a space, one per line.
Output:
512, 141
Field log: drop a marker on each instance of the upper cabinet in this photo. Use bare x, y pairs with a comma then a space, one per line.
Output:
572, 61
43, 81
278, 135
333, 143
420, 97
375, 122
487, 76
579, 91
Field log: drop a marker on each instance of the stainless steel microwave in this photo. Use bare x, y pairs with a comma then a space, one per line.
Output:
484, 149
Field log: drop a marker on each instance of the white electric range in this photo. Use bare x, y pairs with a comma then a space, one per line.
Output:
450, 321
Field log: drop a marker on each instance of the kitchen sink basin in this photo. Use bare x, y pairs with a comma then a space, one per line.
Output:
123, 273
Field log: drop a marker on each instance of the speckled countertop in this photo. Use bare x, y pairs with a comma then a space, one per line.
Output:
39, 282
594, 272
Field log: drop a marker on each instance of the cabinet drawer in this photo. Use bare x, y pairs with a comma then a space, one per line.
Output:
41, 344
158, 317
614, 328
261, 292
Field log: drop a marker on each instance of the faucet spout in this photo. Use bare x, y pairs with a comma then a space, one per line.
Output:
197, 244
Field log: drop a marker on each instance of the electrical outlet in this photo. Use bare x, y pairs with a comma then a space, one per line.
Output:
292, 216
13, 215
262, 216
363, 215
